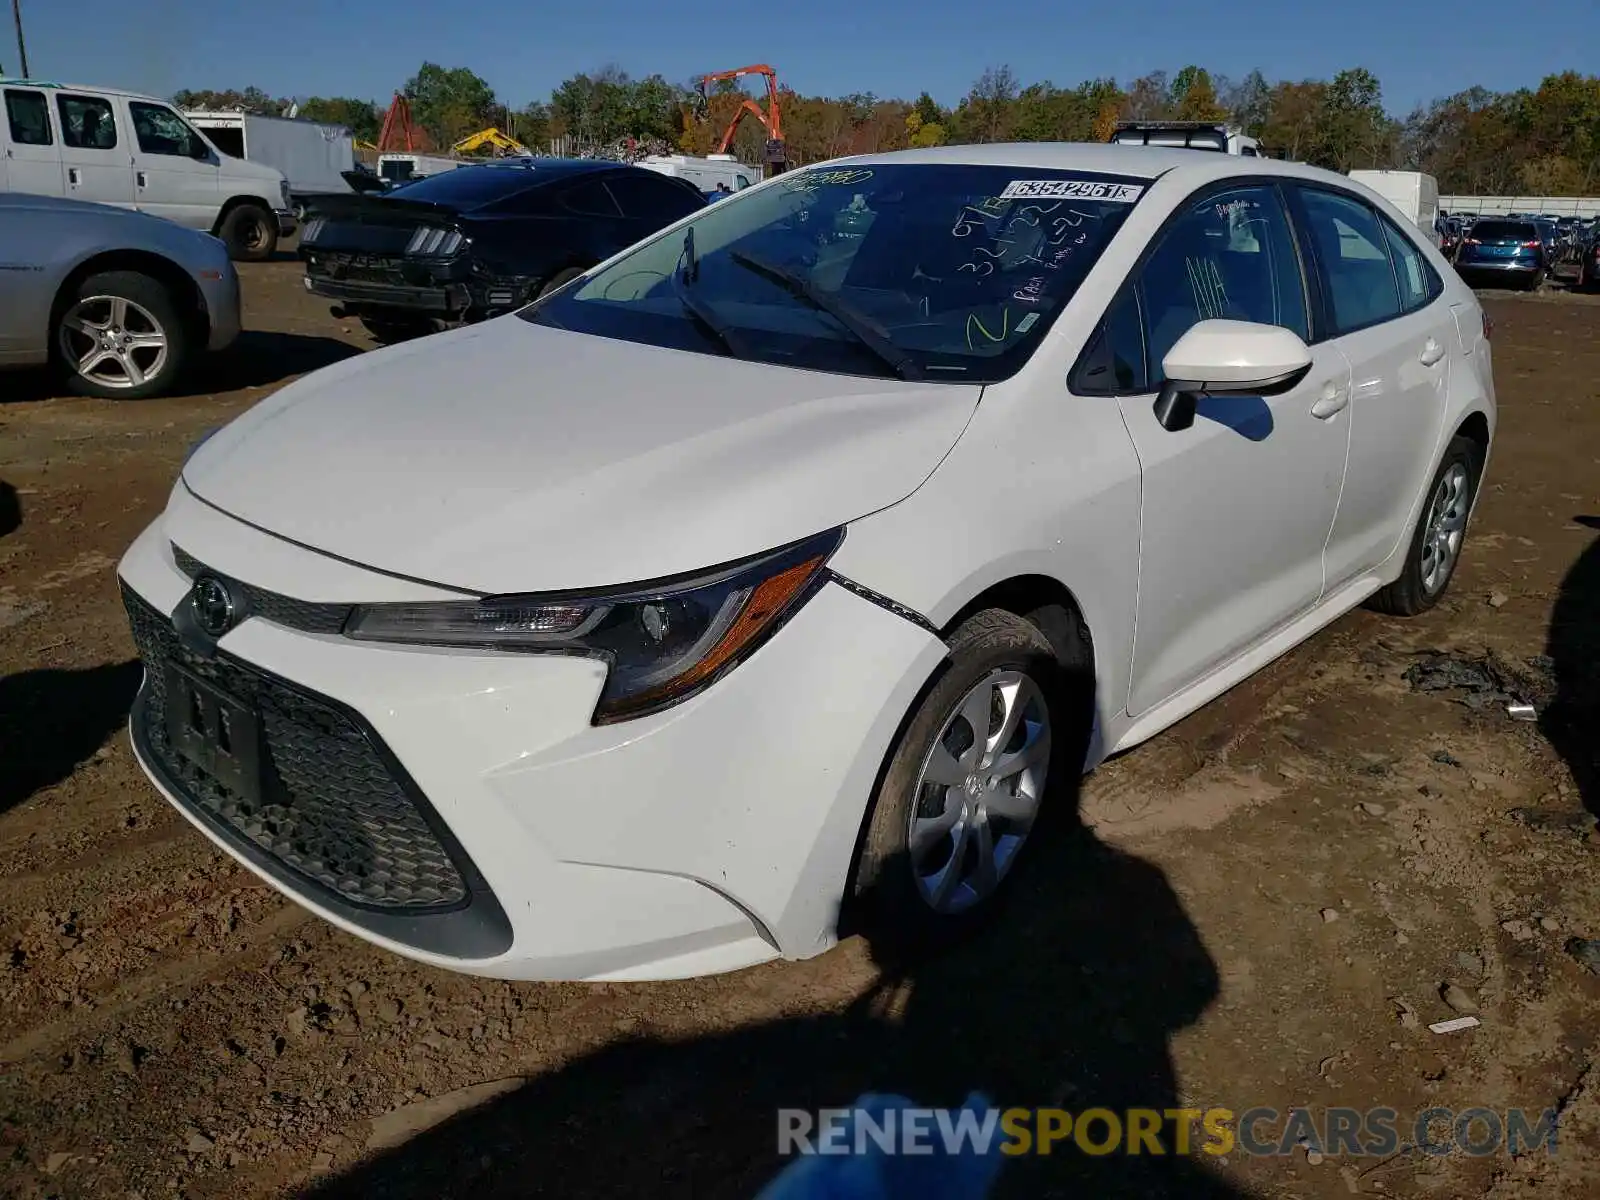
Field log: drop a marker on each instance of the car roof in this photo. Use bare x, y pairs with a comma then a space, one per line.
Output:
57, 85
1139, 162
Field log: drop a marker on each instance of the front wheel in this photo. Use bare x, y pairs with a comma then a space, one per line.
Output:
120, 337
1441, 530
966, 782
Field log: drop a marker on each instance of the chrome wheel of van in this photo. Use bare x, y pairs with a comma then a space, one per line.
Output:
113, 342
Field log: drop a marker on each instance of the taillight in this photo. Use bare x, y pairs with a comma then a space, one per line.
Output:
1534, 245
1471, 242
431, 242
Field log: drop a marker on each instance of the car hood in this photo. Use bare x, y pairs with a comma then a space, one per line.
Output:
510, 457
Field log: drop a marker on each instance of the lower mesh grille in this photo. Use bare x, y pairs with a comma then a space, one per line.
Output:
330, 808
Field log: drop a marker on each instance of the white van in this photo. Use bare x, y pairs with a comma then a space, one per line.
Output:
1412, 192
704, 173
134, 151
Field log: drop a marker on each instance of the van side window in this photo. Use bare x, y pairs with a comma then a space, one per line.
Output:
29, 117
161, 131
86, 123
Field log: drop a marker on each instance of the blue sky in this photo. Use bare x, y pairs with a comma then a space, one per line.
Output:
890, 47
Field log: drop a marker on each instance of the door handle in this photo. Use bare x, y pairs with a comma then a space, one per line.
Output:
1334, 400
140, 177
1432, 352
72, 176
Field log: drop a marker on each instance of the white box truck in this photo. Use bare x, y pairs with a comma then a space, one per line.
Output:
312, 156
1412, 192
395, 169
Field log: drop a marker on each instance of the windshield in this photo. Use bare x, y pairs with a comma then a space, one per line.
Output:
944, 272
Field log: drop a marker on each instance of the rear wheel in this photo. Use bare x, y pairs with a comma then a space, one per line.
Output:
965, 784
1441, 530
250, 232
120, 337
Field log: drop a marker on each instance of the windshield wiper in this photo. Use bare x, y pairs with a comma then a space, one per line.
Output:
862, 327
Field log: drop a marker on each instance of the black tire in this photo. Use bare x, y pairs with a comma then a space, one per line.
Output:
250, 232
389, 331
93, 301
886, 900
1409, 595
559, 280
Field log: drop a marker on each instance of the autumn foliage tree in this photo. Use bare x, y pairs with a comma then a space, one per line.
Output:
1541, 140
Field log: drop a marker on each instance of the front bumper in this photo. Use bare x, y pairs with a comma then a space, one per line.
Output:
223, 307
448, 299
708, 837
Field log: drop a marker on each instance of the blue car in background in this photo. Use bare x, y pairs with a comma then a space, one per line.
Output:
1510, 253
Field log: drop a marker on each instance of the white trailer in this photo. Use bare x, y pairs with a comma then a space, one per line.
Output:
395, 169
1412, 192
311, 155
705, 173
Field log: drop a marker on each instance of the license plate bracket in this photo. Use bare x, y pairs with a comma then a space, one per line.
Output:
216, 732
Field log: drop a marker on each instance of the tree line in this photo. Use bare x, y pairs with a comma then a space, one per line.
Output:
1543, 140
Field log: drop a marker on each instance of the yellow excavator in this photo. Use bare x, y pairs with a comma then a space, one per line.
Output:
492, 139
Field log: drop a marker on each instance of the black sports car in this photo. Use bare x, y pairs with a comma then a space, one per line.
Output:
472, 243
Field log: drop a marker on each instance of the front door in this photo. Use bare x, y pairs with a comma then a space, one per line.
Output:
1236, 508
33, 155
174, 172
1385, 304
95, 151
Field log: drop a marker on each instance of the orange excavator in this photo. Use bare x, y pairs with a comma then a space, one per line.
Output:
399, 134
771, 120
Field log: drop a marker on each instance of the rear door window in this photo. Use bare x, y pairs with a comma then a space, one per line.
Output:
87, 123
652, 199
1359, 282
29, 118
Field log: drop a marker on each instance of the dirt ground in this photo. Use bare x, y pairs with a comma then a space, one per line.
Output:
1270, 902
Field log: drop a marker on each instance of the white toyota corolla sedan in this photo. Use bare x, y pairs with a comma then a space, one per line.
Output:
789, 556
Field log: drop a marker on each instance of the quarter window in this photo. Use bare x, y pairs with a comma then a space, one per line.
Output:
1356, 273
1230, 256
86, 123
29, 118
1420, 285
590, 199
162, 131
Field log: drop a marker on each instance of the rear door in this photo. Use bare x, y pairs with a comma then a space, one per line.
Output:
33, 151
174, 172
95, 150
1384, 305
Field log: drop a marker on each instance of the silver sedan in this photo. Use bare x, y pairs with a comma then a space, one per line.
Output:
118, 302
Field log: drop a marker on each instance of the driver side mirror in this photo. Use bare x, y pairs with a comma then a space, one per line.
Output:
1216, 358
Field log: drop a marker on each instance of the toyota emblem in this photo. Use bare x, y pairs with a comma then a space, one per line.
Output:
212, 605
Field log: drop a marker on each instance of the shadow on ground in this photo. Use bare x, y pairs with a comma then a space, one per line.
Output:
51, 720
1572, 720
1069, 999
10, 509
257, 359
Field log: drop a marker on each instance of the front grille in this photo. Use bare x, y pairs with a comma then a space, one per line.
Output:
331, 809
309, 616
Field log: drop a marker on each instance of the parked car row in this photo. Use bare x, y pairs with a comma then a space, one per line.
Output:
1520, 249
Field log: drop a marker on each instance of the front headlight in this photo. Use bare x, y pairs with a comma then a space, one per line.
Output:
662, 642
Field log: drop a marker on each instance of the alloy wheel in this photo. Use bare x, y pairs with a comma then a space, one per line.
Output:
113, 341
1446, 527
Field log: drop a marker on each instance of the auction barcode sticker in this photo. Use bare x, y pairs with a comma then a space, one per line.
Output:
1072, 189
